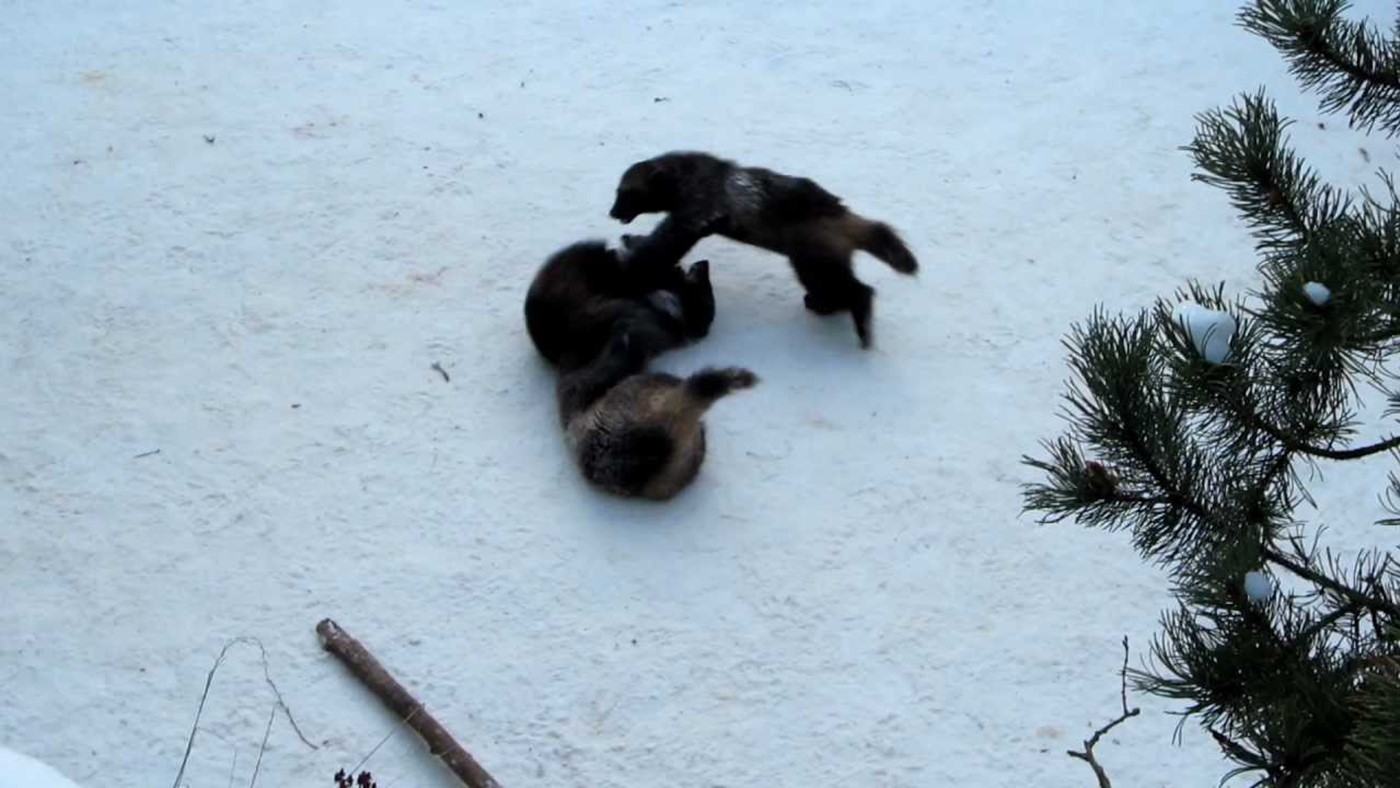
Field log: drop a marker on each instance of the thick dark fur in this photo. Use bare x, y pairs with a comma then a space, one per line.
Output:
585, 293
793, 216
635, 433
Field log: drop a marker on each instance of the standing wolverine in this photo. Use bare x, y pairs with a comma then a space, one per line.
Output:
794, 216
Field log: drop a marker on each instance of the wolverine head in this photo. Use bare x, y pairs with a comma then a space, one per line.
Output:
646, 187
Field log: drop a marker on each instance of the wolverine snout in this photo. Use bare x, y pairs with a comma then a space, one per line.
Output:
621, 214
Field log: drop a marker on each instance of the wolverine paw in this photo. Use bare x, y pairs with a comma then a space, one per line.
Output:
821, 305
860, 315
620, 345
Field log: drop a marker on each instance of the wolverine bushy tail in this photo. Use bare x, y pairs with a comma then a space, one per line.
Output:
712, 383
881, 240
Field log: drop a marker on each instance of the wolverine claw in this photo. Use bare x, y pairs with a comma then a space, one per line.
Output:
860, 314
862, 332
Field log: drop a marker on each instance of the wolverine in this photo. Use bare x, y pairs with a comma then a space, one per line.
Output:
794, 216
585, 292
635, 433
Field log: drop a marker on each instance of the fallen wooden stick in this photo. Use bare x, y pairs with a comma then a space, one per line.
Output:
368, 670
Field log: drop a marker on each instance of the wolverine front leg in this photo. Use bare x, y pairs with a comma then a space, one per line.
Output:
669, 243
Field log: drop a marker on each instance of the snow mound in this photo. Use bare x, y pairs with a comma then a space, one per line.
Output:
18, 770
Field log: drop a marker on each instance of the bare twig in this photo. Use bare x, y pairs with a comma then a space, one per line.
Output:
1087, 755
368, 670
445, 377
208, 682
147, 454
204, 697
257, 767
382, 742
281, 703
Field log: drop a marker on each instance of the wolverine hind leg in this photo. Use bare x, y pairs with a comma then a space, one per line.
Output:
580, 388
831, 285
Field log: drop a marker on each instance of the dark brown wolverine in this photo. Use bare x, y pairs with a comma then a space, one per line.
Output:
585, 292
631, 432
794, 216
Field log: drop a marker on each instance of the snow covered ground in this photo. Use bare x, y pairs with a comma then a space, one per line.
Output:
18, 770
239, 235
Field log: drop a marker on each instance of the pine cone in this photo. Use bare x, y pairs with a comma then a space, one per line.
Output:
1098, 483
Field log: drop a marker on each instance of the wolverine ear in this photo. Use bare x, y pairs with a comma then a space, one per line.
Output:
658, 173
640, 176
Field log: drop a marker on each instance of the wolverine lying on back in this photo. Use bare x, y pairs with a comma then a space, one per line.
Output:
583, 294
793, 216
636, 433
631, 432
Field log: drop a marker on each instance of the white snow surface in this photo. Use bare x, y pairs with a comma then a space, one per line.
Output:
1210, 330
239, 235
1258, 586
18, 770
1317, 292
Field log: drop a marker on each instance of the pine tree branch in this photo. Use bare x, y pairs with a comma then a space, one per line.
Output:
1353, 66
1319, 46
1350, 454
1377, 338
1201, 461
1282, 462
1377, 735
1354, 453
1253, 762
1323, 581
1352, 607
1250, 417
1123, 414
1237, 751
1244, 151
1143, 500
1173, 496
